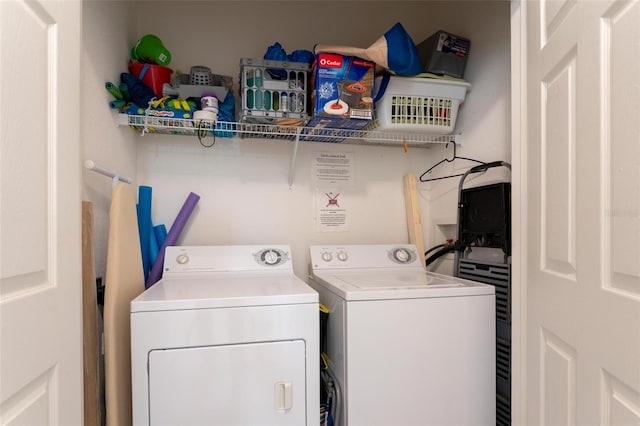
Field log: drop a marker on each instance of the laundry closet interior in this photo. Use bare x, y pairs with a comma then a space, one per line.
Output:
244, 183
259, 191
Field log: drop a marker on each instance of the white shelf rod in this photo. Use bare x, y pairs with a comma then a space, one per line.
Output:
293, 158
90, 165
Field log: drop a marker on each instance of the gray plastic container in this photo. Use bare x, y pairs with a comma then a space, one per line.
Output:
444, 53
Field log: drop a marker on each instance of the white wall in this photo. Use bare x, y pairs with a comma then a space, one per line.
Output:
245, 198
108, 27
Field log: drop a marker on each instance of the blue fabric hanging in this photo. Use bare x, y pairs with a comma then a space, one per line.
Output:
402, 55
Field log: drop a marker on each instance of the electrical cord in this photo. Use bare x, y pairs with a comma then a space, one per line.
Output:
203, 128
334, 394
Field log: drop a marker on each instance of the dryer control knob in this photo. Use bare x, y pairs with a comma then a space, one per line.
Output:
342, 256
182, 258
327, 256
402, 255
271, 257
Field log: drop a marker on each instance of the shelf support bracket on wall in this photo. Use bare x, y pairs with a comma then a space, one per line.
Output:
293, 157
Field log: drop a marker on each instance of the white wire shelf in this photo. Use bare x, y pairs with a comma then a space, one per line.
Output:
178, 126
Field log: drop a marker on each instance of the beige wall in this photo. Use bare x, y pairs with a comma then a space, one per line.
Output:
108, 26
245, 198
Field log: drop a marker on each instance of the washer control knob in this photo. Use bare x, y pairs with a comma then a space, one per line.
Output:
182, 258
402, 255
342, 256
327, 256
270, 257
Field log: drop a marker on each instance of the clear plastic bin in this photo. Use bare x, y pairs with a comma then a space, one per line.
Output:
272, 90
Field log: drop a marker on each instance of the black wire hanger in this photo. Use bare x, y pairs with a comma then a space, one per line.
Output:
448, 160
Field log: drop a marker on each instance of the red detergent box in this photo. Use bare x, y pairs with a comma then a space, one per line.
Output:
341, 92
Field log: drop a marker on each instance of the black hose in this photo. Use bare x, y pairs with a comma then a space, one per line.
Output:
448, 248
433, 248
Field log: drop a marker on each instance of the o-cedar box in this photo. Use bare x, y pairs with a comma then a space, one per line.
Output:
341, 91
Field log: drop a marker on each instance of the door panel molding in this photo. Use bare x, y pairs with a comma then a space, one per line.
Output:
558, 380
620, 403
32, 404
553, 14
620, 160
558, 145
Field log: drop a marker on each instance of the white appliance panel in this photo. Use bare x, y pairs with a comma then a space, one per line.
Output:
186, 261
416, 362
407, 347
375, 256
221, 324
231, 385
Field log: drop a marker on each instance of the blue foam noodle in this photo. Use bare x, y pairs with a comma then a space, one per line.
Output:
160, 232
144, 226
154, 248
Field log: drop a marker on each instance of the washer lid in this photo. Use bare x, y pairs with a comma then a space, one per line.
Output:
229, 290
363, 284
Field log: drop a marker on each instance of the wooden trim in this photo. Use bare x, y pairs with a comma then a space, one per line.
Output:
414, 223
518, 210
89, 322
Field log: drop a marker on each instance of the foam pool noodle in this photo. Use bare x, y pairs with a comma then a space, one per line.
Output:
118, 103
124, 89
113, 89
154, 249
144, 226
172, 237
160, 232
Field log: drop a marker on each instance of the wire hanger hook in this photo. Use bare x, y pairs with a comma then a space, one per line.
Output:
448, 160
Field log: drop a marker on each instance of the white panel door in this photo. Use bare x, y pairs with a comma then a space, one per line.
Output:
581, 223
40, 207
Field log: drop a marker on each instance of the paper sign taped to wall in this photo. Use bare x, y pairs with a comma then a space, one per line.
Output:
331, 211
333, 168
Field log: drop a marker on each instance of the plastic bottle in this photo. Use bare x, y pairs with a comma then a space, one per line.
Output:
249, 99
258, 84
258, 99
267, 100
258, 78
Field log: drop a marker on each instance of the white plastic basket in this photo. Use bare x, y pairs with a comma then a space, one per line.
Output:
419, 105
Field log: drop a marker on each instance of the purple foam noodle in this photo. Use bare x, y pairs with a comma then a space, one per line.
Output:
172, 237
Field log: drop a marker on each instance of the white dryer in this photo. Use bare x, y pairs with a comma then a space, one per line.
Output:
407, 347
229, 336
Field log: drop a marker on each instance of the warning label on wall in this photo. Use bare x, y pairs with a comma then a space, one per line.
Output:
331, 210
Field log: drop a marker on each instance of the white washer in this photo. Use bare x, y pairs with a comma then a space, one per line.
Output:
229, 336
407, 347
